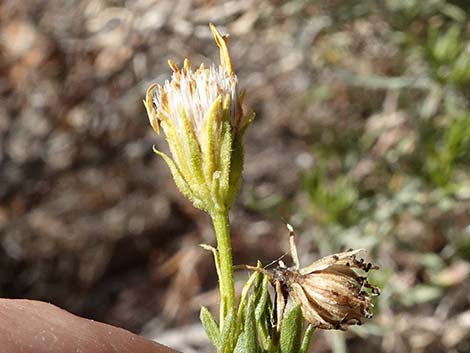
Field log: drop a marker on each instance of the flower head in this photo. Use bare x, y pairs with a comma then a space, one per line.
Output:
331, 294
200, 112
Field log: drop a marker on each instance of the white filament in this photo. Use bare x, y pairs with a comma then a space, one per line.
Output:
207, 85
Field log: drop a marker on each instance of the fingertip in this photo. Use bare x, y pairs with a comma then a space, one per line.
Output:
29, 326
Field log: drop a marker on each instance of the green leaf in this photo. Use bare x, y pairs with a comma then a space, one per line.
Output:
261, 305
291, 331
210, 326
253, 280
226, 343
251, 338
241, 344
264, 325
307, 340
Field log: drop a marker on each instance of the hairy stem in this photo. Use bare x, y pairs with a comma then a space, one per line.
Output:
221, 224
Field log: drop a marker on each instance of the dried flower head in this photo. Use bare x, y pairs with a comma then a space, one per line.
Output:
200, 112
331, 294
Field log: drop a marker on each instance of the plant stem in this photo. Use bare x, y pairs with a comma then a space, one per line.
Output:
221, 224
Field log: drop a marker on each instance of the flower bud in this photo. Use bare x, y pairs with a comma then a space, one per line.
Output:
200, 112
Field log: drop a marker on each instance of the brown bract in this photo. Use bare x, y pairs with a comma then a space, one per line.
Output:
331, 294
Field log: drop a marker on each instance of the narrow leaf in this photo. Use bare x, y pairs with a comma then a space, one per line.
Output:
251, 344
261, 306
291, 331
307, 340
264, 331
210, 326
241, 344
245, 292
225, 337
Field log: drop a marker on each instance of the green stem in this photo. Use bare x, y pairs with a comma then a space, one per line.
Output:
221, 224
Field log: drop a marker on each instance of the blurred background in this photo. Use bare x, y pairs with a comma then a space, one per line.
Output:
362, 139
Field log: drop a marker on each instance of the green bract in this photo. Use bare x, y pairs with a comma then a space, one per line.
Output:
201, 114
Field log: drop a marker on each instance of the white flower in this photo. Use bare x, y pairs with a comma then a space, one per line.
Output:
201, 114
194, 93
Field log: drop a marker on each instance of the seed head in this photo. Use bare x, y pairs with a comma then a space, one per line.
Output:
331, 293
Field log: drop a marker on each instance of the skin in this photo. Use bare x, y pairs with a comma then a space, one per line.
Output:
28, 326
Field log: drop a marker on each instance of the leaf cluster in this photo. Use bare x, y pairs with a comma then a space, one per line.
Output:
252, 328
